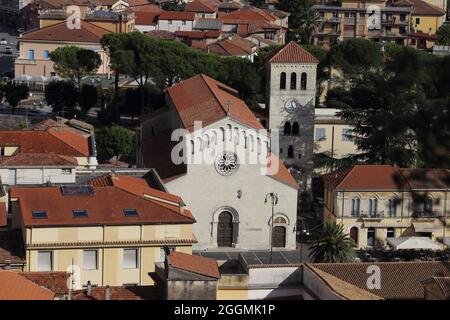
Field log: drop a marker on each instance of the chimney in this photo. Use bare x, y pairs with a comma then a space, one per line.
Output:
107, 293
89, 288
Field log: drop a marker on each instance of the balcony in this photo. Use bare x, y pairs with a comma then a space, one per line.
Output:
334, 19
368, 214
349, 20
425, 214
393, 21
25, 61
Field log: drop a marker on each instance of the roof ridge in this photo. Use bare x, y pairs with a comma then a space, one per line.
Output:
345, 177
213, 93
73, 148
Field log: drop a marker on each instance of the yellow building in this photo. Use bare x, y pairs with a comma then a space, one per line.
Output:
109, 232
425, 17
375, 202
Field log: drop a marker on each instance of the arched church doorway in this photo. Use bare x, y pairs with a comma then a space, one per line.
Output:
279, 237
354, 234
225, 229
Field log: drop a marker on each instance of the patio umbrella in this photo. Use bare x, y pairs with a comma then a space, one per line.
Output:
417, 243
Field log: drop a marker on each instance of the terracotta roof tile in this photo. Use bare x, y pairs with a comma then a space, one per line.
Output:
249, 13
232, 46
177, 15
54, 281
400, 280
105, 206
146, 18
427, 178
37, 159
199, 6
13, 286
121, 293
87, 32
196, 264
292, 52
3, 215
161, 34
421, 8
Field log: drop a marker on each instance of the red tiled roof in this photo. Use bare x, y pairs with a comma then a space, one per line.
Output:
3, 215
283, 174
399, 280
138, 3
87, 32
199, 6
177, 15
37, 159
201, 98
53, 281
249, 13
61, 141
121, 293
198, 34
292, 52
146, 18
105, 207
427, 178
161, 34
421, 35
421, 8
232, 46
13, 286
196, 264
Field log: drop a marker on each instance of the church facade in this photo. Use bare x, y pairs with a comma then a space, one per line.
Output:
218, 163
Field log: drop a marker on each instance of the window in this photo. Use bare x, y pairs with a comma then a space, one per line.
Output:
356, 204
39, 214
46, 54
283, 81
370, 237
295, 129
417, 21
346, 134
66, 171
293, 81
130, 258
287, 129
392, 207
320, 134
303, 81
281, 150
130, 212
373, 206
31, 54
80, 213
183, 22
90, 260
169, 22
45, 261
390, 233
290, 152
2, 151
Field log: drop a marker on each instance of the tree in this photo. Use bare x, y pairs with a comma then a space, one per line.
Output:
116, 141
89, 96
173, 5
132, 100
74, 63
14, 93
443, 35
303, 19
62, 96
332, 245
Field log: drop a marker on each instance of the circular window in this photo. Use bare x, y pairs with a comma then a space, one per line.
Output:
226, 163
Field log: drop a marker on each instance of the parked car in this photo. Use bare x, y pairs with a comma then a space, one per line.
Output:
3, 41
8, 50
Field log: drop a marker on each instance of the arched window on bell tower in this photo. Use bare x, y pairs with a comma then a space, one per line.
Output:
287, 128
293, 81
283, 81
295, 129
303, 81
290, 152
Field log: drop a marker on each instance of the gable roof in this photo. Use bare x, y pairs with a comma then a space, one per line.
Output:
201, 98
199, 6
37, 159
386, 177
232, 46
105, 207
292, 52
121, 293
177, 15
249, 14
399, 280
13, 286
54, 281
87, 32
192, 263
421, 8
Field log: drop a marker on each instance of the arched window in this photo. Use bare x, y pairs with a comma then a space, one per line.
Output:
283, 81
354, 234
373, 207
293, 81
295, 129
370, 237
290, 152
287, 129
356, 204
392, 207
303, 81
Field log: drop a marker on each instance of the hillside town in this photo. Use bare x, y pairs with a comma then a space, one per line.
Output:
224, 150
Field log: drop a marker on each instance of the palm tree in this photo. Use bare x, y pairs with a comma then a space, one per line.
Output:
309, 25
332, 245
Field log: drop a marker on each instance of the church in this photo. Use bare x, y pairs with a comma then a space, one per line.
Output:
210, 148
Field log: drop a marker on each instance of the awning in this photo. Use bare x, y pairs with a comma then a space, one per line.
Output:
445, 241
427, 226
404, 243
386, 225
23, 77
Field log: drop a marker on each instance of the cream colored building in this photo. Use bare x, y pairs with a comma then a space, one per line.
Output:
375, 202
110, 232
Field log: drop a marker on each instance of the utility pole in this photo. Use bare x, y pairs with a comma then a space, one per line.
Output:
273, 197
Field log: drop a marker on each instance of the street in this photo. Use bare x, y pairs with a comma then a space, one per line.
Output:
7, 59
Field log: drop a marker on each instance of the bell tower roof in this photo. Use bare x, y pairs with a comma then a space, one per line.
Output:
292, 52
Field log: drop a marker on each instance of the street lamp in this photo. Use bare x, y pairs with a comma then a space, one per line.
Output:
273, 197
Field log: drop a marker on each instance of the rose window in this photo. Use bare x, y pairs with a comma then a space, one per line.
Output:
226, 163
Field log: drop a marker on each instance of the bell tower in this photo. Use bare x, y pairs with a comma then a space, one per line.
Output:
291, 95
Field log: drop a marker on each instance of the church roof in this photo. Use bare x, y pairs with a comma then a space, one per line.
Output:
292, 52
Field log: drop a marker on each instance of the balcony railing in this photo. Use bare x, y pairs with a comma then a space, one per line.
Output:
349, 20
334, 19
425, 214
367, 214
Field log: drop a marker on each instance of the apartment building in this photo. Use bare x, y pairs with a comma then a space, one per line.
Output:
362, 19
110, 231
375, 202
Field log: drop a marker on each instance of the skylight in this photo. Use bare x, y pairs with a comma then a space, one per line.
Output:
80, 214
39, 214
130, 212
